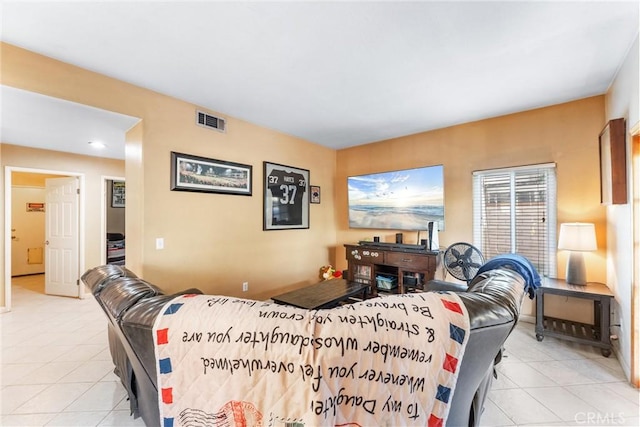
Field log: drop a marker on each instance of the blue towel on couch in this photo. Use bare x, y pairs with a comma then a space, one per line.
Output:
518, 263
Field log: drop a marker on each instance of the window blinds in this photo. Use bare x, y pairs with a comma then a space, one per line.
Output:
514, 211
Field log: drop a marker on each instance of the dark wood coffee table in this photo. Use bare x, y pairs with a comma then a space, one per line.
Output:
325, 294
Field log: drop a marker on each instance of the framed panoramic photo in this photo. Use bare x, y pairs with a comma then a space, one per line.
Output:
201, 174
286, 197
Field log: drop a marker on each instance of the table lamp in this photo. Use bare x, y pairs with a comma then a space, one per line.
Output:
577, 237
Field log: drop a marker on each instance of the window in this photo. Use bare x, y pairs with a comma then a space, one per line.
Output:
514, 211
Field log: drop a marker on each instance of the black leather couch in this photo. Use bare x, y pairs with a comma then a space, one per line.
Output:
493, 300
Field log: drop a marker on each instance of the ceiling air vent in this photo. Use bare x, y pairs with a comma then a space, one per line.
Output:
211, 122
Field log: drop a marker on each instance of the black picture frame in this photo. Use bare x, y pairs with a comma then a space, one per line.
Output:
286, 197
315, 194
118, 191
205, 175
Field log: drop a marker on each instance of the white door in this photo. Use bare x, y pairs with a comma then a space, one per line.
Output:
62, 237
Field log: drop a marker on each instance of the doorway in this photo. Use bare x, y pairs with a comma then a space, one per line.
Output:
27, 223
37, 175
113, 220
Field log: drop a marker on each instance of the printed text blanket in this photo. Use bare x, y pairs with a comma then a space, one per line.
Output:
225, 361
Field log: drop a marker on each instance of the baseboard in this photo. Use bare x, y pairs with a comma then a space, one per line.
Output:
27, 274
528, 318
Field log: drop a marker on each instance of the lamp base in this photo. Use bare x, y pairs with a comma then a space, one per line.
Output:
576, 274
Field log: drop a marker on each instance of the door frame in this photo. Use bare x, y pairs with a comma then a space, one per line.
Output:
103, 215
635, 280
8, 218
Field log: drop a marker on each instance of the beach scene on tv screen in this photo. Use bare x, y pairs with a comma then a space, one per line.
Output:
402, 200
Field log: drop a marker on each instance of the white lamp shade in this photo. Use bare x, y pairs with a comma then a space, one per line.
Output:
577, 236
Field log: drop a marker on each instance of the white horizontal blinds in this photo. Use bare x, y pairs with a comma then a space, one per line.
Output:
514, 212
496, 215
532, 223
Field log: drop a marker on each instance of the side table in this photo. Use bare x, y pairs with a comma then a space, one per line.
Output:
597, 334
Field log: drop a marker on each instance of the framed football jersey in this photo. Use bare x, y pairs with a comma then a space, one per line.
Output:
286, 197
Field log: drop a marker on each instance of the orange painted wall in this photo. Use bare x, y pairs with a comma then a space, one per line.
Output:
215, 242
566, 134
212, 241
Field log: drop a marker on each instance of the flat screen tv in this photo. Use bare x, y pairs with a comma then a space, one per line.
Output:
400, 200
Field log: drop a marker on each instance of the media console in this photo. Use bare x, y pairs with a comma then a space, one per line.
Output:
393, 246
411, 265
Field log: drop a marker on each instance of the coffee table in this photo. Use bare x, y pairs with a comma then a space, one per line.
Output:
325, 294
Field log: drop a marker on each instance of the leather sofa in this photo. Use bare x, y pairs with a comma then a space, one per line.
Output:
492, 299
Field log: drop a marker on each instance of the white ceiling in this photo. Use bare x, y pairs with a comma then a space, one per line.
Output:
40, 121
335, 73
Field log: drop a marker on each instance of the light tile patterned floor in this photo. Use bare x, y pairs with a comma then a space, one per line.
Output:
56, 368
56, 371
559, 383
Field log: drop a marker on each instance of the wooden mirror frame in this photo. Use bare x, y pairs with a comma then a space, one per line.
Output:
613, 167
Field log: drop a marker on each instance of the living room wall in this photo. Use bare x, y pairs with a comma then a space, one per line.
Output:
565, 134
212, 241
215, 242
622, 100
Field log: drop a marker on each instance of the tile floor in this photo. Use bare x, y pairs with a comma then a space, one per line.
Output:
56, 367
56, 371
559, 383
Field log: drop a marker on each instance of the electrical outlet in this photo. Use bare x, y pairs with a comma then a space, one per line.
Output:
245, 286
160, 243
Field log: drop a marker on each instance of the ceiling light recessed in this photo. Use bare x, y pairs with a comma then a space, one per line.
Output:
96, 144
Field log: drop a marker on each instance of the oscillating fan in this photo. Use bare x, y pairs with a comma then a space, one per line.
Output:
463, 260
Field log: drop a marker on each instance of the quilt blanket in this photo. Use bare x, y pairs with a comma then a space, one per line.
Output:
392, 361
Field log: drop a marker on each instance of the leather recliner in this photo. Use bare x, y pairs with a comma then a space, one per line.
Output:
492, 299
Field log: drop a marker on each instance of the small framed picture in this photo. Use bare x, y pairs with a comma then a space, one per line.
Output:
194, 173
286, 197
117, 194
35, 207
315, 194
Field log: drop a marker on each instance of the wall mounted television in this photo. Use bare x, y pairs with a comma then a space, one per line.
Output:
400, 200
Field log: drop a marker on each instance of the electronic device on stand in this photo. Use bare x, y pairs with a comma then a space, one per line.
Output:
432, 242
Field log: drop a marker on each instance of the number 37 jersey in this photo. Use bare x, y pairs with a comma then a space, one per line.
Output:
287, 191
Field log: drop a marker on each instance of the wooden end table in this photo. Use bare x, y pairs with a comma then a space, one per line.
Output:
597, 334
325, 294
